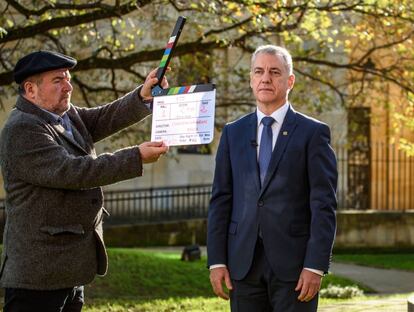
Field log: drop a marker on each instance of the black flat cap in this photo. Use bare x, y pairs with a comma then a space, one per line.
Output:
39, 62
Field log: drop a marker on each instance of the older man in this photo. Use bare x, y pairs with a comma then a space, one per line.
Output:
271, 222
53, 243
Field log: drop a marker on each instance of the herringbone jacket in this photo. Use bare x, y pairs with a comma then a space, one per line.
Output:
54, 203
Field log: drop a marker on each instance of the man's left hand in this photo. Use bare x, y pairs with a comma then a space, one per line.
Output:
150, 81
309, 284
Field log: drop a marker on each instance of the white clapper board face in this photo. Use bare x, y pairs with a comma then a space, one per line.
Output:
184, 115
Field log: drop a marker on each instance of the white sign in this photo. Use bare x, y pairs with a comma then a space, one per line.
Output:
184, 119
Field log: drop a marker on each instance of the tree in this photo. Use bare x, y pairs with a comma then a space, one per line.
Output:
338, 46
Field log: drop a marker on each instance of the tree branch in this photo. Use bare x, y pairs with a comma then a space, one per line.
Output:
177, 8
70, 21
384, 46
57, 6
327, 83
224, 29
86, 89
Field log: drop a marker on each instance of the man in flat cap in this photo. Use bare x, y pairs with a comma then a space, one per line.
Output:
53, 243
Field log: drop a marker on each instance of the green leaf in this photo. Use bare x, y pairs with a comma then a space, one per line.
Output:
9, 23
3, 32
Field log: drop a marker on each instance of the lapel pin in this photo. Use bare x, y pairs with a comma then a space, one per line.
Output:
285, 133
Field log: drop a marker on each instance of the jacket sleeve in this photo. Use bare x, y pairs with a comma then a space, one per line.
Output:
105, 120
219, 212
31, 154
323, 177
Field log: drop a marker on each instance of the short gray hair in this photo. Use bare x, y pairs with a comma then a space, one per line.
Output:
275, 50
37, 79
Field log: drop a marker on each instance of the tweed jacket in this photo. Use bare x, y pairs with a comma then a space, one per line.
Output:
54, 203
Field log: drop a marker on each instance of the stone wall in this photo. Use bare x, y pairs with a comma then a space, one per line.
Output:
375, 229
356, 229
177, 233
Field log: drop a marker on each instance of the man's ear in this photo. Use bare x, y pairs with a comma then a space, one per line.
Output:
29, 88
291, 81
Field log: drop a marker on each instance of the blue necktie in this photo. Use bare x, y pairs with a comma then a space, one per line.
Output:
64, 122
265, 149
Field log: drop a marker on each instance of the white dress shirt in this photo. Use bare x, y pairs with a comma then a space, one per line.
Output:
278, 115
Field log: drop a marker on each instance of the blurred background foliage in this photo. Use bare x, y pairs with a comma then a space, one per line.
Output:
345, 52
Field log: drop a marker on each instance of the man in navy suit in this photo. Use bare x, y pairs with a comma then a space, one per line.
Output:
271, 221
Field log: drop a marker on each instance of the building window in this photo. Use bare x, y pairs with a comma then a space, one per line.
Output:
359, 157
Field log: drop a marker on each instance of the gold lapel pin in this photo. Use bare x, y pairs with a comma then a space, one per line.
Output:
285, 133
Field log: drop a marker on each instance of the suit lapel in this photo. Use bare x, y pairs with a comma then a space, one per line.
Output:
81, 133
61, 131
79, 130
286, 132
78, 137
252, 149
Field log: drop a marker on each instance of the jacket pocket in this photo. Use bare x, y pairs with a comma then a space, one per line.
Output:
233, 228
299, 229
76, 229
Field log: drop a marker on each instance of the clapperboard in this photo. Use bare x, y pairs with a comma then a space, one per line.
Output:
182, 115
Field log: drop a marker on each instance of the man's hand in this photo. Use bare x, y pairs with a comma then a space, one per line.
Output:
217, 276
150, 81
309, 284
151, 151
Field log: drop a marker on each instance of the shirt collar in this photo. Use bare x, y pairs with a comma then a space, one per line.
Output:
56, 117
278, 115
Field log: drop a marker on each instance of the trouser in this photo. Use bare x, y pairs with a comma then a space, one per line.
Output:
261, 291
28, 300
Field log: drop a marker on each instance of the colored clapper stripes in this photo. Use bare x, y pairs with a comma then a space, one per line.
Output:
181, 90
167, 51
187, 89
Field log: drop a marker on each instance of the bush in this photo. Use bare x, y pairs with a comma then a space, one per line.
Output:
339, 292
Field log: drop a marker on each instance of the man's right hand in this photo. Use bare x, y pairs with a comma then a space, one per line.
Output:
217, 276
150, 81
151, 151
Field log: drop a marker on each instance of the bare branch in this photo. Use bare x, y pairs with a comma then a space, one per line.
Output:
106, 56
113, 83
327, 83
60, 47
70, 21
57, 6
357, 67
96, 89
5, 10
136, 74
179, 9
384, 46
87, 89
386, 14
224, 29
82, 88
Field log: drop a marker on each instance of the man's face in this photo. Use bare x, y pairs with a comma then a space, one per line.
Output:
51, 91
270, 80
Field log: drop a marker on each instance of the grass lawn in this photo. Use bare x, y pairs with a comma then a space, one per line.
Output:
140, 280
401, 261
396, 303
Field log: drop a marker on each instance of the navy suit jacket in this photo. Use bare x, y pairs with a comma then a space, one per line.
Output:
295, 207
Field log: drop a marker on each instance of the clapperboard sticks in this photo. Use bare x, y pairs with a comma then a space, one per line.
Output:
157, 90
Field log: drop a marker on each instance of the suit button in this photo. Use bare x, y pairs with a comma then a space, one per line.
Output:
260, 203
